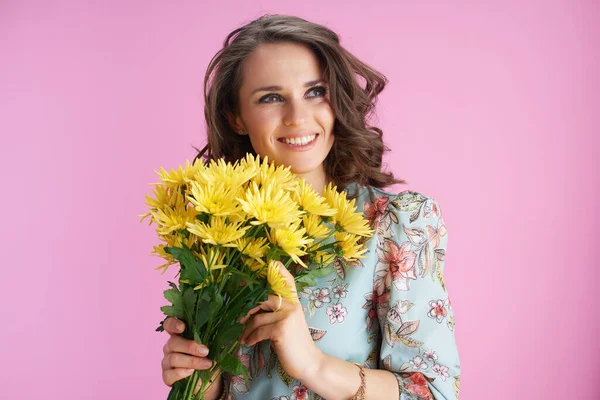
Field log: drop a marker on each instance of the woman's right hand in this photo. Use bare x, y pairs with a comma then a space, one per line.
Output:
183, 356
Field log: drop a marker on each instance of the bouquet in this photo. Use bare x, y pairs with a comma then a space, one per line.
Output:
226, 225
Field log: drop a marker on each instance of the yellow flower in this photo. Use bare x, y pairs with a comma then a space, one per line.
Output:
212, 258
346, 217
310, 201
349, 246
159, 251
278, 284
215, 199
179, 177
253, 248
293, 241
315, 227
324, 258
218, 232
176, 240
230, 175
170, 219
163, 196
270, 205
257, 266
280, 176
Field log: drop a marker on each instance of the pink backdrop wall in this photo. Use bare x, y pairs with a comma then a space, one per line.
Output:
492, 108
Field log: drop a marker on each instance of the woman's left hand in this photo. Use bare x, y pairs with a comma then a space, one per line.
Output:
286, 329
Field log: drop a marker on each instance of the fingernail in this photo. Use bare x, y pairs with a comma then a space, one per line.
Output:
203, 351
179, 326
189, 371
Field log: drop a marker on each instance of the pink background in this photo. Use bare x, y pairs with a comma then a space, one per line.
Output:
492, 109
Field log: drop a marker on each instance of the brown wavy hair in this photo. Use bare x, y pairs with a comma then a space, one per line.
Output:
356, 155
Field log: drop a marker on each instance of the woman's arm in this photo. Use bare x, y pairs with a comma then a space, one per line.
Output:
334, 378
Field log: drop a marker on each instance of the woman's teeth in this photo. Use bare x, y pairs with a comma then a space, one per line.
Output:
300, 141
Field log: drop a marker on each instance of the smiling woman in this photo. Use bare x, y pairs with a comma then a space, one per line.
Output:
284, 88
291, 122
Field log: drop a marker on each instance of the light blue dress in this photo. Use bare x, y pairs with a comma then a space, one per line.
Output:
389, 311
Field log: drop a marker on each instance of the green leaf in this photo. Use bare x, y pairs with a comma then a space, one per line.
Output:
174, 296
171, 311
215, 304
192, 268
201, 314
323, 271
189, 305
229, 334
233, 365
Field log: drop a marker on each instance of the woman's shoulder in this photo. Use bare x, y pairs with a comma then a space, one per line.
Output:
403, 201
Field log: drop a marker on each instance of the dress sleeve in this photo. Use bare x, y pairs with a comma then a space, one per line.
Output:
413, 309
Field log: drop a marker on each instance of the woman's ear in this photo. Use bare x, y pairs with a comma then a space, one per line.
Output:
235, 124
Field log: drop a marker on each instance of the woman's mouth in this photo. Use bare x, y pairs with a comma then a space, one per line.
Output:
299, 141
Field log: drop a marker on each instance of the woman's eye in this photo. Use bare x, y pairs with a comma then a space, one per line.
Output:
268, 97
319, 89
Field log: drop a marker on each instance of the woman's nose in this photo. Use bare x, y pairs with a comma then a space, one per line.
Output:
295, 114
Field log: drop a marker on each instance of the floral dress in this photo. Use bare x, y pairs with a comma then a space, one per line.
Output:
390, 310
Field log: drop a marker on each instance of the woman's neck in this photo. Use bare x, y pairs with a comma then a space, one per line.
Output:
316, 179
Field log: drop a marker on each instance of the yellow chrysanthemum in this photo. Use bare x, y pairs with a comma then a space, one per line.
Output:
170, 219
176, 240
346, 217
293, 241
163, 196
250, 163
253, 248
270, 205
215, 199
269, 174
212, 258
324, 258
349, 246
278, 284
180, 176
230, 175
310, 201
159, 251
218, 231
315, 227
257, 266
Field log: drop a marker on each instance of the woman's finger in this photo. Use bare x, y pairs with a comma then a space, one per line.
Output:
261, 333
259, 320
171, 376
180, 360
173, 326
177, 344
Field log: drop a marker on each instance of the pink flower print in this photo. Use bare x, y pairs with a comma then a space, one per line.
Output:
441, 370
336, 313
340, 291
435, 234
430, 355
438, 310
320, 296
373, 211
401, 264
300, 393
434, 207
418, 363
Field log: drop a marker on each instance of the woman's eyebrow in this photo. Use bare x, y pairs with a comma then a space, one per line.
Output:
276, 88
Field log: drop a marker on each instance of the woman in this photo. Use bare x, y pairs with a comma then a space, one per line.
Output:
284, 88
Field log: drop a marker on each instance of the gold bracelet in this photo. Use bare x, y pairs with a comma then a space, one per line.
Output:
360, 393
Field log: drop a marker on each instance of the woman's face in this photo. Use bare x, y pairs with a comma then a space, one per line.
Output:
284, 107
